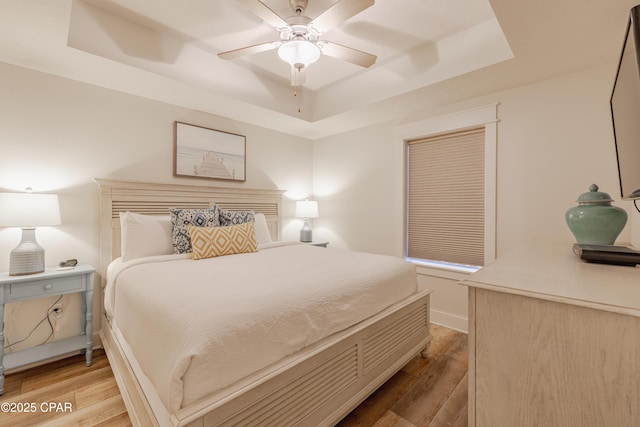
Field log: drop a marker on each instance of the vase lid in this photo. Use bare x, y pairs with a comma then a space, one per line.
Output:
594, 196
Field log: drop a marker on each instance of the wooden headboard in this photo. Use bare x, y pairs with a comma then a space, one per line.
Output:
156, 199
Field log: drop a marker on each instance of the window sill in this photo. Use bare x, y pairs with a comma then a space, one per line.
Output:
443, 269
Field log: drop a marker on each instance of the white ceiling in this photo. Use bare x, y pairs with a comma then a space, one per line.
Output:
429, 53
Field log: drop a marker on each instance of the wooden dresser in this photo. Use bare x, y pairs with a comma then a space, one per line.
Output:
553, 341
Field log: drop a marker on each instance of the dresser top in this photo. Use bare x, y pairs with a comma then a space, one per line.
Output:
555, 273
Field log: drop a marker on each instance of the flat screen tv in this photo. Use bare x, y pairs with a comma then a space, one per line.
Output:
625, 110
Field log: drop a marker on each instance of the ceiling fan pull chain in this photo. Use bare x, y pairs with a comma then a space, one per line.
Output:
297, 89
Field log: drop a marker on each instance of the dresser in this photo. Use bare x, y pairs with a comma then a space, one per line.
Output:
553, 341
48, 283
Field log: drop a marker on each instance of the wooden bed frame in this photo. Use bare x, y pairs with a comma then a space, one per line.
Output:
316, 386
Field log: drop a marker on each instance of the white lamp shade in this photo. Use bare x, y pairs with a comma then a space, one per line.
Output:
307, 209
29, 210
299, 53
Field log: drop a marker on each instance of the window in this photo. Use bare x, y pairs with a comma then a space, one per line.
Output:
445, 198
450, 189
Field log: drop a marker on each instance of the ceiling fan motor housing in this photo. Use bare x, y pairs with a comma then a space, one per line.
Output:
298, 27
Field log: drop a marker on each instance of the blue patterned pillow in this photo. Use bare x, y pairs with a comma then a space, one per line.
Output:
182, 218
236, 218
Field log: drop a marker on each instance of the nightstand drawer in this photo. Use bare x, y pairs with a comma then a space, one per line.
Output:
52, 286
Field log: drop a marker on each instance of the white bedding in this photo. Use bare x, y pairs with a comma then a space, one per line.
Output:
195, 327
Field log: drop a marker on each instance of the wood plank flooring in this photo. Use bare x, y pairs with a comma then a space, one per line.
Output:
429, 391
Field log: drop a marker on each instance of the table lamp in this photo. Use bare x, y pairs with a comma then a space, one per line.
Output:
306, 209
28, 211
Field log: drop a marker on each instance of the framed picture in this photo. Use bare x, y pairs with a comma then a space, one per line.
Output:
201, 152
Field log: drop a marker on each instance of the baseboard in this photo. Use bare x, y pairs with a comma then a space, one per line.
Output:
450, 321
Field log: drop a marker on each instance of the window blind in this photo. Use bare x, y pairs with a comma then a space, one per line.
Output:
445, 198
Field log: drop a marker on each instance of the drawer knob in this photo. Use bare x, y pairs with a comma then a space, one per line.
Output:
48, 287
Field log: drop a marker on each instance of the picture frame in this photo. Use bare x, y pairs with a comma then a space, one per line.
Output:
201, 152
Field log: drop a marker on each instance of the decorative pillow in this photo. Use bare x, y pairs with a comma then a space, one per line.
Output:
144, 235
182, 218
209, 242
262, 229
234, 218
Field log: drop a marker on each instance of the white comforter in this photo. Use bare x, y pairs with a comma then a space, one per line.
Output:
195, 327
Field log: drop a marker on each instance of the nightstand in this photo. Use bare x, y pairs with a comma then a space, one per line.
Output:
33, 286
322, 244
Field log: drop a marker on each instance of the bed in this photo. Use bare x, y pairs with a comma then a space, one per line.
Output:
294, 343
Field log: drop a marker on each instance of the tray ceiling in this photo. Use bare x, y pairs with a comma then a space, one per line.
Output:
429, 52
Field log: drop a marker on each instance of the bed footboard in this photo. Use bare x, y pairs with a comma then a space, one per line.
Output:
318, 386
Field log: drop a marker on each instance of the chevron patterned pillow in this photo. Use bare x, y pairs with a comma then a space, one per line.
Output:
209, 242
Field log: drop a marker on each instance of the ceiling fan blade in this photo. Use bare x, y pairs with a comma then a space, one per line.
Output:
348, 54
338, 13
249, 50
265, 12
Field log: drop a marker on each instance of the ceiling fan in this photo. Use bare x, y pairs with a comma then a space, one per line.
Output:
300, 43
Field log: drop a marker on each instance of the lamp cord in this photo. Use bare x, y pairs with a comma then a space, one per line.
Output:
47, 319
635, 203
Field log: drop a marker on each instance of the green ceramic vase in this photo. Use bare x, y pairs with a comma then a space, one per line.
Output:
594, 221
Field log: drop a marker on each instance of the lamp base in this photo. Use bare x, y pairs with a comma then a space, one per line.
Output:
305, 232
28, 256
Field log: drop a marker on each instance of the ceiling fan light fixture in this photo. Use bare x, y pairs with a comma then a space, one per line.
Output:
299, 53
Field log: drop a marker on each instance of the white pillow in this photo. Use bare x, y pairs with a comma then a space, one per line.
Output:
262, 229
144, 235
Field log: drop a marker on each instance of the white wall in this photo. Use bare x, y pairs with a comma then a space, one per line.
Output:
554, 140
355, 183
57, 135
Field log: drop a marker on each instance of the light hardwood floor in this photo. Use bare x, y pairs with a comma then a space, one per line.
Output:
429, 391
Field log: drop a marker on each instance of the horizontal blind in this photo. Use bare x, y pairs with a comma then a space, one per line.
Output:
445, 200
